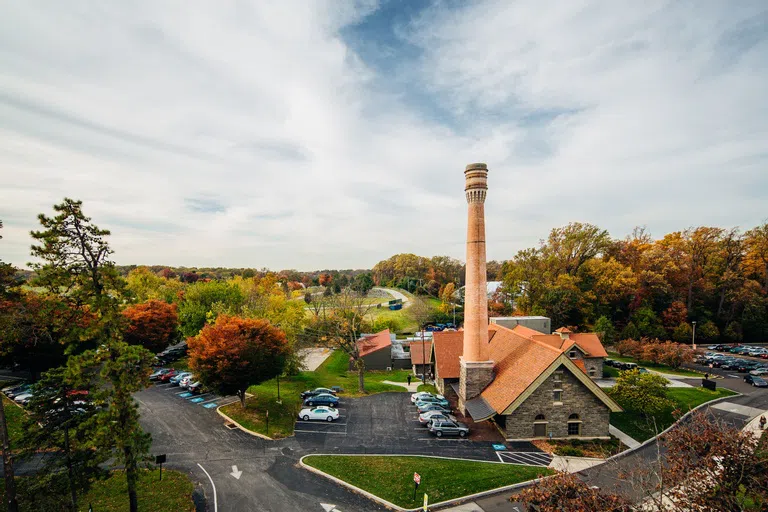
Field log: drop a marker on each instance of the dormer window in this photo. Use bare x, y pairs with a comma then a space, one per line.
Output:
572, 354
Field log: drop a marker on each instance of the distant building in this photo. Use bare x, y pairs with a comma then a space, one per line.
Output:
421, 358
537, 323
382, 351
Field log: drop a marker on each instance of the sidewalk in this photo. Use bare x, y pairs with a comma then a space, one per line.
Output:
754, 425
624, 438
412, 387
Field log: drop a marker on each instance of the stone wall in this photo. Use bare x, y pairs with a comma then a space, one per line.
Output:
576, 399
594, 363
473, 378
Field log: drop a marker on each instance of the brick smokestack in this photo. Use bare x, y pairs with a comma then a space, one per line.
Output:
475, 296
476, 370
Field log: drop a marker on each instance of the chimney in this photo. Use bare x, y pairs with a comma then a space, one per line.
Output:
476, 368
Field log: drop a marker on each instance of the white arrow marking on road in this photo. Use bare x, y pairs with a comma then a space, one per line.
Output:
235, 473
329, 508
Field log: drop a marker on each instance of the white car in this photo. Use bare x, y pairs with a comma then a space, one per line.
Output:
319, 413
415, 397
186, 381
23, 398
759, 372
426, 417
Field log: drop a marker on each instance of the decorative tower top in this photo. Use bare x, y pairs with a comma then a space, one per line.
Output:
476, 182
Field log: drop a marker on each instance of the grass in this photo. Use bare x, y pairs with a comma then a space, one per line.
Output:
610, 371
640, 428
662, 368
333, 372
14, 419
599, 448
429, 388
174, 492
391, 478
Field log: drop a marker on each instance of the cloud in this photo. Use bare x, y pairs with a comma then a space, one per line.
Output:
332, 135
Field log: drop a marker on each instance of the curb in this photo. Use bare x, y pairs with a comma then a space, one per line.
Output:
675, 424
218, 410
388, 504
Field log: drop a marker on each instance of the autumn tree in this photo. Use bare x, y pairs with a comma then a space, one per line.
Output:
144, 285
363, 283
756, 242
645, 393
566, 492
235, 353
153, 324
204, 300
605, 330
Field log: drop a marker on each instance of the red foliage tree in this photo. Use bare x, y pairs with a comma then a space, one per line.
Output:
566, 493
235, 353
153, 324
325, 279
674, 315
167, 273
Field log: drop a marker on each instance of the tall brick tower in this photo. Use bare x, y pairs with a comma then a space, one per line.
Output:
476, 368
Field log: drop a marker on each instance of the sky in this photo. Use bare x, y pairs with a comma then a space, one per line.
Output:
332, 134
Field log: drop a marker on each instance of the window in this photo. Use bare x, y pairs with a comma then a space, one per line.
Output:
572, 354
557, 377
592, 372
574, 425
540, 426
540, 417
557, 395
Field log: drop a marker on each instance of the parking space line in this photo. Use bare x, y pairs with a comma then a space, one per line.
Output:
230, 402
217, 398
320, 422
320, 432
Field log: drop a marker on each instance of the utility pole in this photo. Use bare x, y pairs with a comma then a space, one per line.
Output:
10, 486
423, 359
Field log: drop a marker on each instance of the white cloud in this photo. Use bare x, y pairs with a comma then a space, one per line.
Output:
255, 135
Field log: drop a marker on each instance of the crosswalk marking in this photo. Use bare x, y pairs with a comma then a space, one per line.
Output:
525, 458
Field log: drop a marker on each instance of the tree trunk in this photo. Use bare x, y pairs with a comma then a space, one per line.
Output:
360, 363
131, 474
241, 396
720, 304
70, 471
10, 487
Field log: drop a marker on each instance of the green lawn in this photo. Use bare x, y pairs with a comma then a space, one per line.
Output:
174, 492
610, 371
655, 367
333, 372
429, 388
111, 495
639, 428
14, 418
391, 478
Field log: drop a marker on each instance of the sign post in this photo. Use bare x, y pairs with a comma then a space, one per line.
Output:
159, 459
416, 482
426, 502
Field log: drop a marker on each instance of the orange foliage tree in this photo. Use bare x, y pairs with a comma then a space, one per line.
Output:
235, 353
153, 324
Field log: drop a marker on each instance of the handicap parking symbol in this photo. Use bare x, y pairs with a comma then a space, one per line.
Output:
209, 406
185, 395
197, 400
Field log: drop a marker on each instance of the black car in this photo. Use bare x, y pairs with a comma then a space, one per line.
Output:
327, 400
746, 366
318, 391
756, 381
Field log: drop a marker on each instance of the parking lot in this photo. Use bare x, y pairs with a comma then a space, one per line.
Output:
388, 423
206, 400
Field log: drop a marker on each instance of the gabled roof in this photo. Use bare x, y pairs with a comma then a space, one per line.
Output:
420, 351
374, 342
448, 346
564, 330
523, 358
588, 342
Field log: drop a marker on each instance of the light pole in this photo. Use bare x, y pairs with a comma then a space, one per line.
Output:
693, 338
454, 315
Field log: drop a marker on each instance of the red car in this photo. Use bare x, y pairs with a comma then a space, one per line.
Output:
166, 377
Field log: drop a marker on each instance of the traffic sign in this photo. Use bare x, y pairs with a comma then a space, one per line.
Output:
417, 478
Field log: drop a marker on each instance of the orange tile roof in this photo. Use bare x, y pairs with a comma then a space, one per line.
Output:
372, 343
588, 342
520, 356
580, 364
564, 330
419, 350
449, 345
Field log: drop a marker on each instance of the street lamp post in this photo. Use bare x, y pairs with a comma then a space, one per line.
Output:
454, 315
693, 338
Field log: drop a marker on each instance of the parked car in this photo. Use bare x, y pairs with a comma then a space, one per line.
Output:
196, 388
642, 370
186, 381
437, 399
630, 366
158, 373
176, 379
442, 428
18, 390
316, 391
10, 388
746, 366
433, 407
319, 413
759, 371
325, 399
756, 381
23, 398
166, 377
426, 417
416, 396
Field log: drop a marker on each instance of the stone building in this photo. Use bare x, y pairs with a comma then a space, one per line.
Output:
530, 383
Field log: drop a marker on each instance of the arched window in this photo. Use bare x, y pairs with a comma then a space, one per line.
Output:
592, 372
574, 425
540, 426
540, 417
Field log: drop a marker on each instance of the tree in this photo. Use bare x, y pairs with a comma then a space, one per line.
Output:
204, 300
628, 347
733, 332
675, 354
605, 329
630, 332
145, 285
153, 325
567, 493
674, 315
645, 393
756, 241
363, 283
236, 353
683, 333
707, 332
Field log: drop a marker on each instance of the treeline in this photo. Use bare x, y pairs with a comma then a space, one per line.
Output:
644, 287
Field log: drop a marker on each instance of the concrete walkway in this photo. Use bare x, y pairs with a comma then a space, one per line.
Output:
314, 357
573, 464
413, 387
624, 438
754, 425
